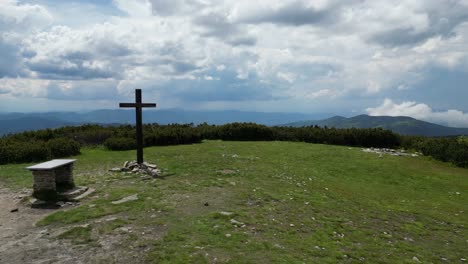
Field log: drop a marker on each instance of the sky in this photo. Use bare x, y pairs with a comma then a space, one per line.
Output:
376, 57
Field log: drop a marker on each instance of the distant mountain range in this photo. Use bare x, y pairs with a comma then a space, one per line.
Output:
17, 122
399, 124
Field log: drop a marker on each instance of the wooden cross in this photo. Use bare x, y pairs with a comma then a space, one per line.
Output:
138, 105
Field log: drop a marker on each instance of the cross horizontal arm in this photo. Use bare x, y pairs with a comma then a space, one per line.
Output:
137, 105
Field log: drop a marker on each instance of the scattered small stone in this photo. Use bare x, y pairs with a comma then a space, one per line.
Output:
415, 259
291, 225
226, 213
14, 210
462, 259
110, 219
126, 229
126, 199
91, 205
235, 222
387, 151
135, 168
228, 235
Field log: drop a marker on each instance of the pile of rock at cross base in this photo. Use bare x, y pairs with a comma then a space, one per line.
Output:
134, 167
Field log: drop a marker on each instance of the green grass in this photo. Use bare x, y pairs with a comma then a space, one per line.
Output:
299, 203
78, 235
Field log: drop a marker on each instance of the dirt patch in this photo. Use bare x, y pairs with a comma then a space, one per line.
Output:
198, 203
23, 242
227, 171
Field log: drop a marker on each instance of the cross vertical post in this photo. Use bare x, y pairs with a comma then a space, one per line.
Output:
139, 126
138, 105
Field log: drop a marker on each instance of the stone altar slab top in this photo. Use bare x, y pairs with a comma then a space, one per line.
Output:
52, 164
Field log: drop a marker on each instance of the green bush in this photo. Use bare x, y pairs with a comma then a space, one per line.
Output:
120, 143
18, 152
63, 147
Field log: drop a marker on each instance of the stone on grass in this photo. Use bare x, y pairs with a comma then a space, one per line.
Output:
236, 223
135, 168
126, 199
226, 213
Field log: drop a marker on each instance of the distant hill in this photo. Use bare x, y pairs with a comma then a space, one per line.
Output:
17, 122
399, 124
16, 125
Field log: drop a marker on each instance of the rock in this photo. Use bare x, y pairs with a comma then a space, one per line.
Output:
125, 164
83, 195
226, 213
14, 210
152, 166
125, 229
235, 222
415, 259
135, 170
126, 199
228, 235
115, 170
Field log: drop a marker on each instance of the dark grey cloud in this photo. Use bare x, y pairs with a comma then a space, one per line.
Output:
441, 88
83, 90
67, 70
443, 19
296, 13
173, 7
218, 26
225, 86
9, 60
90, 59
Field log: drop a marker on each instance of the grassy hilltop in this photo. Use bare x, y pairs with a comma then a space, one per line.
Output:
266, 202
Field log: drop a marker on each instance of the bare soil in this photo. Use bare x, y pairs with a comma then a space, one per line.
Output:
23, 242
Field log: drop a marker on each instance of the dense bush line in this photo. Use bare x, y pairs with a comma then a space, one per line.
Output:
448, 149
66, 141
14, 151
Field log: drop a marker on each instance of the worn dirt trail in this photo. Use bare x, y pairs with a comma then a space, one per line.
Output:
21, 241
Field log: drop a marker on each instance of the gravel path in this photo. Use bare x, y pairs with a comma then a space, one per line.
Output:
20, 240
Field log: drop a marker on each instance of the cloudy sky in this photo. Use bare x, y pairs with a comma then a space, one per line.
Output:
323, 56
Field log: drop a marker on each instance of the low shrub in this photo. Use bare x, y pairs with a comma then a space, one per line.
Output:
63, 147
120, 143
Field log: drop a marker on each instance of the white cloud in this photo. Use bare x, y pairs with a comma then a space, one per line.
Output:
452, 117
20, 17
299, 49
